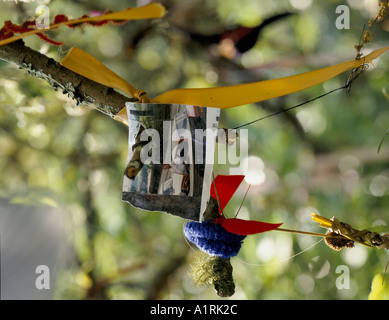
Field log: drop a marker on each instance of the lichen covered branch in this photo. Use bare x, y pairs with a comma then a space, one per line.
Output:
77, 87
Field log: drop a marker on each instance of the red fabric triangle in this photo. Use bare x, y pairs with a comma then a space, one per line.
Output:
226, 187
247, 227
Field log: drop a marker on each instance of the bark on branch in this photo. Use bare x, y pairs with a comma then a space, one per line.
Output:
79, 88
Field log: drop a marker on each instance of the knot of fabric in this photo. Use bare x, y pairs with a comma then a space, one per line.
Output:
213, 239
142, 96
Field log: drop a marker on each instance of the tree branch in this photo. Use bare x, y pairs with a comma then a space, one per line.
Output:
77, 87
106, 100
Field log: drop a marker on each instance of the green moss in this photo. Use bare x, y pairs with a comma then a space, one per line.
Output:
214, 271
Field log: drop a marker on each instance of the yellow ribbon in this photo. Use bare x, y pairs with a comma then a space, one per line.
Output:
219, 97
232, 96
150, 11
88, 66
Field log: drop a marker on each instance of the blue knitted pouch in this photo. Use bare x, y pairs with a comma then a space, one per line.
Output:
213, 239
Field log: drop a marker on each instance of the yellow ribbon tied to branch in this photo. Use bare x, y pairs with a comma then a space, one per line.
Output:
86, 65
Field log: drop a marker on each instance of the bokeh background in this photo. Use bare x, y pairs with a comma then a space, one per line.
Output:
62, 165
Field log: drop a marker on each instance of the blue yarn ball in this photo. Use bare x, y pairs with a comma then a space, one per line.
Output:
213, 239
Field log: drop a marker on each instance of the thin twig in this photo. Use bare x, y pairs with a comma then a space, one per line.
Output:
315, 234
241, 204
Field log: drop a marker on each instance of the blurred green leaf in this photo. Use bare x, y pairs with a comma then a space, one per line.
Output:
379, 289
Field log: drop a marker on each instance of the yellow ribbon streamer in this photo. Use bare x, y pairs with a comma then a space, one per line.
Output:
88, 66
232, 96
219, 97
150, 11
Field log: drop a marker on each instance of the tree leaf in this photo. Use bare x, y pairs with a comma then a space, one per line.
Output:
382, 141
379, 289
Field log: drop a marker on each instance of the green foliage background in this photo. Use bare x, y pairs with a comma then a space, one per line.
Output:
319, 158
